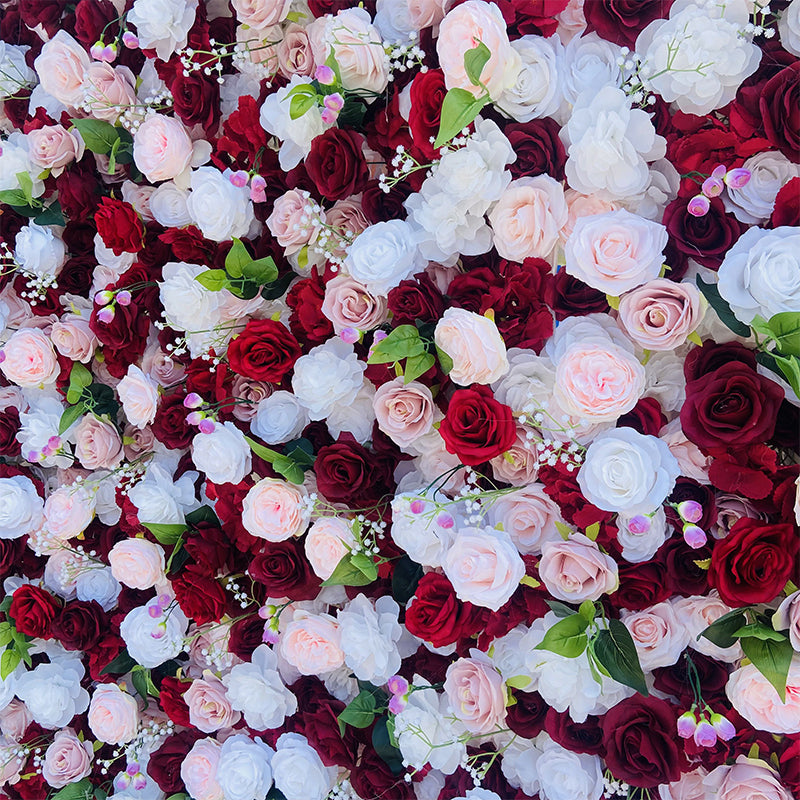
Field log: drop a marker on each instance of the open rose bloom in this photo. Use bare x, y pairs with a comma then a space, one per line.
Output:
400, 400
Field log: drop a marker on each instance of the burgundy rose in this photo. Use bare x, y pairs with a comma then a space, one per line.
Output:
93, 19
209, 548
677, 681
200, 597
196, 100
264, 351
164, 766
702, 360
9, 426
33, 610
538, 147
348, 473
526, 717
79, 625
373, 778
682, 575
171, 700
123, 338
46, 13
580, 737
119, 226
284, 571
426, 94
12, 553
380, 206
646, 417
571, 297
417, 299
246, 634
336, 163
640, 585
780, 109
621, 21
787, 209
243, 139
307, 321
169, 425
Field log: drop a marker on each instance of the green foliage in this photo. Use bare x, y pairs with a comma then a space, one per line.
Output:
771, 658
459, 110
405, 343
292, 464
243, 276
720, 305
355, 569
567, 637
614, 649
165, 534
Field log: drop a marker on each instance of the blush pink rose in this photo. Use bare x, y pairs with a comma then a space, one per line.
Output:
347, 217
261, 14
755, 698
137, 563
73, 338
312, 643
747, 779
209, 707
68, 512
113, 714
109, 90
477, 694
356, 45
688, 787
659, 635
426, 13
29, 360
97, 444
199, 770
787, 617
250, 394
583, 205
348, 304
327, 542
660, 314
137, 441
519, 465
529, 517
692, 462
53, 147
14, 720
61, 66
162, 149
138, 394
295, 56
290, 221
527, 219
696, 613
67, 759
404, 411
164, 369
274, 510
575, 570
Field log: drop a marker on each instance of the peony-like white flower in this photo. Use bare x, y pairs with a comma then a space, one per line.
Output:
221, 210
188, 304
163, 25
159, 500
244, 771
564, 775
279, 418
169, 207
223, 454
418, 532
99, 584
39, 251
15, 159
153, 640
356, 418
535, 93
760, 274
52, 692
789, 28
15, 74
298, 770
769, 172
21, 507
38, 425
587, 64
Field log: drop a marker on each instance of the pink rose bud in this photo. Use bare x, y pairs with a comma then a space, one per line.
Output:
397, 703
397, 684
257, 189
350, 335
445, 520
47, 451
139, 781
124, 297
108, 53
267, 612
33, 456
239, 179
164, 600
695, 537
103, 298
192, 400
704, 734
160, 631
686, 725
122, 781
719, 171
698, 206
96, 50
328, 116
132, 769
723, 726
195, 418
325, 75
154, 611
206, 425
130, 40
54, 443
335, 102
417, 506
269, 636
106, 314
690, 510
736, 178
712, 187
639, 524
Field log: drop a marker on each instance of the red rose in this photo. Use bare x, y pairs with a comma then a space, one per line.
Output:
124, 338
164, 766
426, 94
580, 737
621, 21
640, 742
477, 427
676, 681
753, 562
33, 610
77, 190
93, 18
243, 138
787, 209
731, 407
119, 226
171, 700
538, 147
380, 206
640, 585
702, 360
336, 163
169, 425
571, 297
79, 625
245, 636
264, 351
283, 569
307, 321
196, 100
349, 473
417, 299
526, 717
200, 597
780, 109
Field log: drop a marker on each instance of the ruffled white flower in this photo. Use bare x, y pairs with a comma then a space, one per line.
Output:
641, 545
564, 775
14, 159
159, 500
356, 418
221, 210
168, 205
223, 454
163, 25
52, 693
38, 425
15, 74
39, 251
244, 769
587, 64
298, 770
279, 418
98, 583
535, 93
152, 641
21, 508
789, 28
418, 532
753, 203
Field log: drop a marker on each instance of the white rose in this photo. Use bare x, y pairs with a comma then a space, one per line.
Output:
279, 418
658, 634
98, 584
393, 21
15, 74
256, 689
223, 454
535, 93
244, 771
419, 532
153, 640
53, 694
138, 394
21, 508
564, 775
14, 159
163, 25
37, 426
39, 251
587, 64
625, 471
383, 255
760, 274
789, 28
221, 210
519, 762
168, 205
159, 500
187, 303
298, 771
357, 418
769, 172
641, 536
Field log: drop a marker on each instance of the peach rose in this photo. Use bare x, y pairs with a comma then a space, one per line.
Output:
53, 147
261, 13
688, 787
163, 368
137, 441
67, 759
696, 613
404, 410
747, 779
583, 205
660, 637
274, 510
660, 314
692, 462
73, 338
358, 50
137, 563
295, 56
138, 394
97, 444
426, 13
68, 512
477, 694
209, 707
474, 344
575, 570
519, 465
528, 217
755, 698
199, 770
529, 517
312, 643
788, 617
61, 67
109, 90
463, 29
328, 541
28, 359
113, 714
348, 304
290, 223
14, 720
162, 148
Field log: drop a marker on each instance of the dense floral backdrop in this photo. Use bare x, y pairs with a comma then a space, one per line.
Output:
399, 399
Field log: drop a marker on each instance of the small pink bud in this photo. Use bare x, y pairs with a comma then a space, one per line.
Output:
206, 425
325, 75
154, 611
124, 297
47, 451
106, 314
445, 521
687, 723
132, 769
269, 636
239, 179
719, 171
122, 781
108, 53
267, 612
258, 182
96, 50
712, 187
690, 510
397, 684
736, 178
695, 537
33, 456
328, 116
417, 506
130, 40
397, 703
639, 524
698, 206
258, 195
160, 631
54, 443
334, 102
704, 734
350, 335
139, 781
195, 418
103, 298
723, 726
192, 400
164, 600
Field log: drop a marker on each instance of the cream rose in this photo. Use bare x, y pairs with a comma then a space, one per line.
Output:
260, 14
477, 693
519, 465
97, 444
312, 643
404, 411
137, 563
113, 714
28, 359
61, 66
755, 698
356, 45
658, 634
110, 91
274, 510
575, 570
68, 512
295, 56
162, 149
327, 542
139, 396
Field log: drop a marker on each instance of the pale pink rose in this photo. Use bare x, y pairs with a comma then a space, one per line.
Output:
660, 314
29, 360
199, 770
162, 149
53, 147
67, 759
747, 779
357, 47
463, 29
295, 56
290, 221
97, 444
328, 541
688, 787
73, 338
138, 195
259, 45
528, 217
484, 567
575, 570
616, 251
788, 617
348, 304
109, 90
162, 367
434, 461
755, 698
138, 394
426, 13
61, 66
252, 393
404, 411
696, 613
598, 382
209, 649
690, 458
14, 720
659, 635
441, 275
583, 205
274, 510
477, 694
571, 21
68, 512
529, 517
137, 441
113, 714
347, 217
474, 344
730, 509
312, 643
209, 707
137, 563
519, 465
261, 13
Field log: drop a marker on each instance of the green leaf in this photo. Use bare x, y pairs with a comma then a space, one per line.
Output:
564, 530
52, 215
402, 342
139, 681
771, 659
359, 712
349, 574
261, 271
459, 109
785, 328
518, 681
99, 136
566, 638
560, 609
405, 579
760, 325
759, 631
214, 279
474, 62
587, 611
26, 184
711, 292
365, 565
790, 367
179, 796
417, 365
331, 62
281, 464
165, 534
202, 514
79, 376
112, 157
615, 650
6, 604
592, 531
382, 743
120, 665
6, 634
69, 417
300, 89
82, 790
13, 197
9, 662
300, 104
445, 362
237, 258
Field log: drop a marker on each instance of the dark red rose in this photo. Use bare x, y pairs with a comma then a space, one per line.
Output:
646, 417
562, 486
621, 21
169, 425
787, 209
79, 625
104, 651
731, 407
702, 360
753, 562
119, 226
380, 206
196, 100
246, 634
33, 610
188, 244
780, 109
12, 552
706, 239
124, 338
96, 18
682, 575
336, 163
243, 138
676, 681
526, 716
348, 473
417, 299
307, 321
164, 766
171, 700
46, 13
387, 129
537, 17
9, 425
640, 585
461, 782
640, 742
790, 766
283, 569
477, 427
580, 737
214, 386
264, 351
34, 788
200, 597
373, 778
571, 297
426, 94
210, 548
78, 191
538, 147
